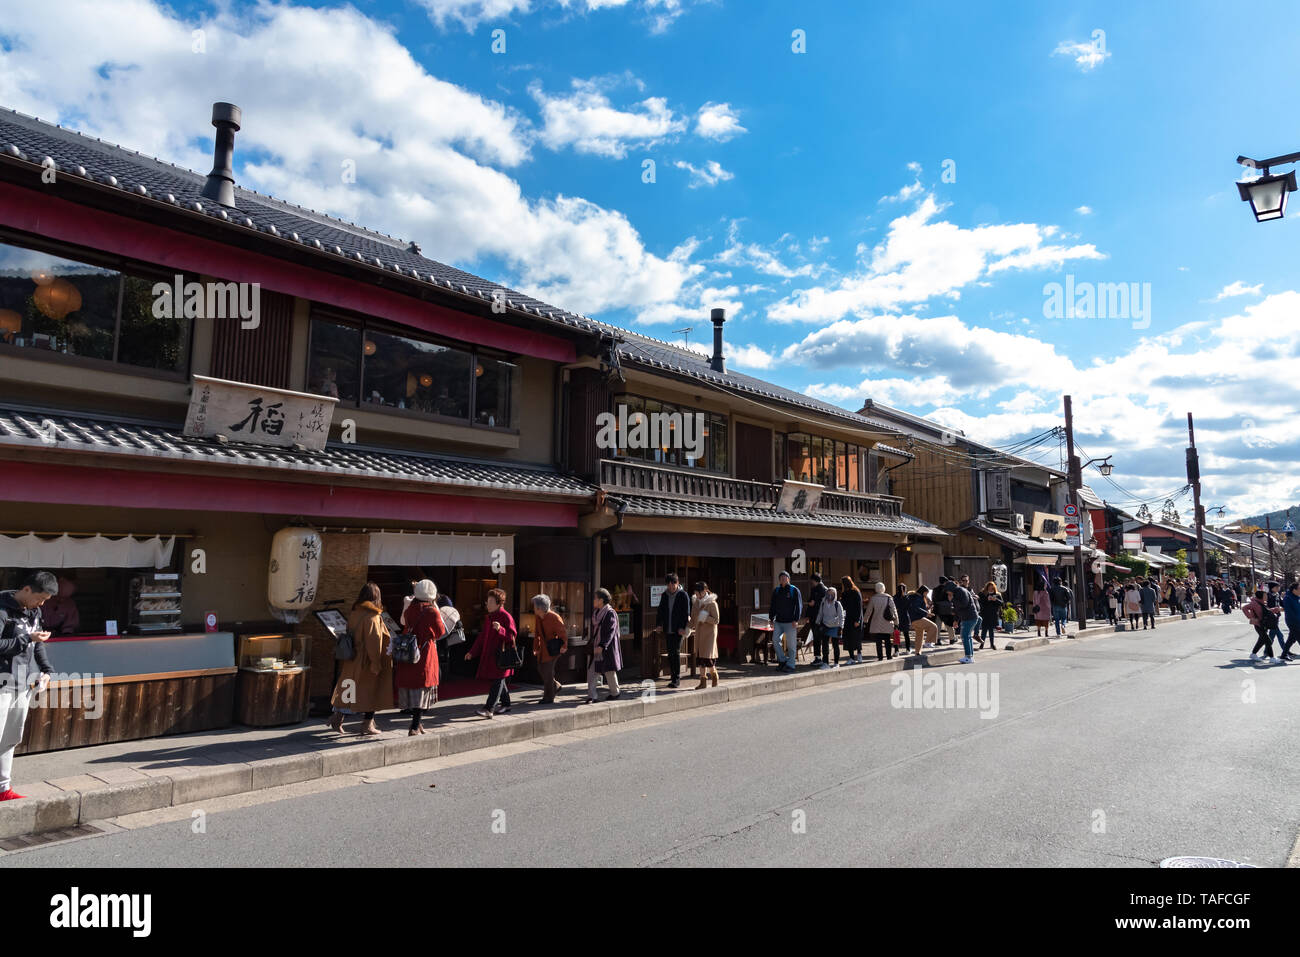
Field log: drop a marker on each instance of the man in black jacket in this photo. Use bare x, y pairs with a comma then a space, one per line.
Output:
816, 592
675, 620
24, 669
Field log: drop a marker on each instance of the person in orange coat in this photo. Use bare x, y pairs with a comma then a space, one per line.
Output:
498, 631
549, 632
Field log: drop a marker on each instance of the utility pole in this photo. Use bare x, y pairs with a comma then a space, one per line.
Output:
1268, 525
1075, 480
1194, 477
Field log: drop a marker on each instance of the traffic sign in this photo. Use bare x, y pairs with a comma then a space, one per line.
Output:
1071, 529
1072, 511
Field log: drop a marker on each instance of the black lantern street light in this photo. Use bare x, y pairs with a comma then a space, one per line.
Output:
1267, 194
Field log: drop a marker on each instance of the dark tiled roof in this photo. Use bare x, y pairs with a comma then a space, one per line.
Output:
1019, 540
87, 433
77, 154
80, 155
677, 508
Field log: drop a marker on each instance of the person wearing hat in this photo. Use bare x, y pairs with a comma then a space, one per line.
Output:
417, 684
785, 610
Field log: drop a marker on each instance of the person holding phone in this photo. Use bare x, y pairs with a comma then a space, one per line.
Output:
24, 668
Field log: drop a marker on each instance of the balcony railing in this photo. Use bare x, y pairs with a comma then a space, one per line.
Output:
641, 478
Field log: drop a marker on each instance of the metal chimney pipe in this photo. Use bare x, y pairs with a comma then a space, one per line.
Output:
220, 185
717, 363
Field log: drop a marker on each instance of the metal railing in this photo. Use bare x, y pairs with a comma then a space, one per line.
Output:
642, 478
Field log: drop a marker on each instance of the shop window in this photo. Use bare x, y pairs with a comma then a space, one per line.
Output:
496, 382
810, 458
63, 306
717, 443
568, 600
335, 366
365, 366
672, 447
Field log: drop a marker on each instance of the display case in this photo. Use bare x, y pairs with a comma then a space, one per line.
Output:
283, 653
274, 679
155, 603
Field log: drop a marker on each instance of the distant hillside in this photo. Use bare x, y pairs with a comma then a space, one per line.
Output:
1277, 518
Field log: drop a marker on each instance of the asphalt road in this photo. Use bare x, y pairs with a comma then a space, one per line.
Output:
1118, 751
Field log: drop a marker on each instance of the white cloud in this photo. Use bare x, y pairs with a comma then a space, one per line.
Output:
711, 174
1083, 210
586, 120
1133, 404
660, 14
718, 121
748, 357
1087, 56
431, 157
1238, 288
923, 258
758, 257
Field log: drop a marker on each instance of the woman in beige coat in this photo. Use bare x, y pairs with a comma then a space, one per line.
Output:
366, 682
705, 619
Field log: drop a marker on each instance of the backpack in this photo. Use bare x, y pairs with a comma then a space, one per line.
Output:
405, 648
1268, 619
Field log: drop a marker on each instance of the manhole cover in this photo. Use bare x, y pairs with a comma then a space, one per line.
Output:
1200, 862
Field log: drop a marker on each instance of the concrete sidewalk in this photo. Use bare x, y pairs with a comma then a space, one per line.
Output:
77, 786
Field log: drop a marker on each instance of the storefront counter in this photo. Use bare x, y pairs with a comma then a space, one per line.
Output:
120, 688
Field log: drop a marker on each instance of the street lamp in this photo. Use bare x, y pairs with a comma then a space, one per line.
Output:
1267, 194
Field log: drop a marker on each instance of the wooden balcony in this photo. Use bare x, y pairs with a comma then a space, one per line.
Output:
641, 478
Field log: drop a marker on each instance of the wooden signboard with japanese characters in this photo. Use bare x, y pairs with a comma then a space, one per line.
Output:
249, 413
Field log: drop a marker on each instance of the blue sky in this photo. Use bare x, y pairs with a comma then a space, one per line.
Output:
806, 192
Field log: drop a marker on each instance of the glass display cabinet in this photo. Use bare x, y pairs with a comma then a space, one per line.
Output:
274, 679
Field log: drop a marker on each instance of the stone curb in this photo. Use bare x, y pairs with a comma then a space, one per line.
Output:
50, 807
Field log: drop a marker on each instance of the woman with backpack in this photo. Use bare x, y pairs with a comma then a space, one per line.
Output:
829, 618
1132, 604
365, 682
493, 647
851, 599
881, 618
1262, 617
417, 681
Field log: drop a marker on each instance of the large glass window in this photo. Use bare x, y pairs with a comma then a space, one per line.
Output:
495, 384
363, 365
811, 458
665, 434
409, 374
334, 368
58, 305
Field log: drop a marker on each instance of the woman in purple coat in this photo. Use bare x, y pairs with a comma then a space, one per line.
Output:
498, 630
606, 656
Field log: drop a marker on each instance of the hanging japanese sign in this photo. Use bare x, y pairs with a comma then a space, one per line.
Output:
252, 413
799, 497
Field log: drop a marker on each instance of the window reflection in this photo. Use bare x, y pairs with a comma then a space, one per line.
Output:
64, 306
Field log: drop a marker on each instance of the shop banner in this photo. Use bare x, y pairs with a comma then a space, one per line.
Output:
91, 551
421, 548
263, 416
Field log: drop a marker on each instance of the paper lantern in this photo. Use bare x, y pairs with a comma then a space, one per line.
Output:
426, 380
478, 369
370, 347
11, 323
293, 572
57, 298
41, 277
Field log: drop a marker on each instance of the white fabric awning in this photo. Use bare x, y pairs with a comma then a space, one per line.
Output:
1035, 560
94, 551
440, 548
